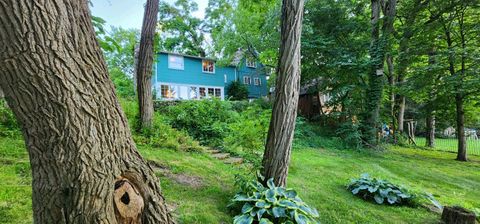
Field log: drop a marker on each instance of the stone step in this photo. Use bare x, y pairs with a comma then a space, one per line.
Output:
233, 160
221, 156
213, 151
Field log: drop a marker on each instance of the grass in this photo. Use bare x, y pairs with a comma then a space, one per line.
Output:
450, 145
318, 174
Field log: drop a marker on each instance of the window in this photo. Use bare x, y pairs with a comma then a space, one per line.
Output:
193, 93
246, 80
208, 66
203, 93
218, 92
168, 92
183, 92
257, 81
251, 62
211, 92
175, 62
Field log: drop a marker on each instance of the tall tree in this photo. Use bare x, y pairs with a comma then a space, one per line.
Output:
145, 63
85, 166
380, 44
276, 158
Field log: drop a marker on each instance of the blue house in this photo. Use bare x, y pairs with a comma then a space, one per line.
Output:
184, 77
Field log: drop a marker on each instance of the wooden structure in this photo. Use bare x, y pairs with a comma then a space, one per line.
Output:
457, 215
312, 102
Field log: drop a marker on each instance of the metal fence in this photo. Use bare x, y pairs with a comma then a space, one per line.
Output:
451, 144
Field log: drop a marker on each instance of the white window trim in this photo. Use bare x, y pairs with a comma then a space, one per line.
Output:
208, 71
250, 64
249, 80
259, 81
159, 91
178, 56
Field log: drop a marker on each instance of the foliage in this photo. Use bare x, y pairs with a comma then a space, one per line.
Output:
205, 120
181, 31
8, 122
350, 133
247, 134
270, 204
106, 42
237, 91
123, 57
123, 84
161, 134
380, 191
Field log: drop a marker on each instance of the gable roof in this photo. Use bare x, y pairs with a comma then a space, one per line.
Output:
186, 55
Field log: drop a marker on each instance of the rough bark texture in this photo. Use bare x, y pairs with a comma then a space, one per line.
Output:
391, 82
145, 63
81, 151
282, 125
457, 215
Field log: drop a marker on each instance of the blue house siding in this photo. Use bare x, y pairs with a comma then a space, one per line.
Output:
182, 84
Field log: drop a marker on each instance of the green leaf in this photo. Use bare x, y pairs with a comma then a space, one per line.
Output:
392, 199
247, 208
270, 183
265, 221
243, 219
270, 195
279, 212
291, 194
300, 219
288, 204
378, 199
260, 213
262, 204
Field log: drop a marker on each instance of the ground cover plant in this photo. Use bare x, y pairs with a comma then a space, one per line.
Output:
380, 191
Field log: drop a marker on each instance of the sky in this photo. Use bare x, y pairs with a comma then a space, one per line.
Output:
129, 13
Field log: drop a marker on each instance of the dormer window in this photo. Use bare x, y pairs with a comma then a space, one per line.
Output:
251, 63
208, 66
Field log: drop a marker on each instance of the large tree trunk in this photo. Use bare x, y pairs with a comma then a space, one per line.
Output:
378, 48
391, 82
282, 125
145, 62
85, 166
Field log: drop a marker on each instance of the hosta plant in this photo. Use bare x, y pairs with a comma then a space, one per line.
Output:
270, 204
380, 191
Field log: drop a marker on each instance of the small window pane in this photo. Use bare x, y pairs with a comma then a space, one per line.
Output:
183, 92
211, 92
218, 92
193, 93
208, 66
203, 93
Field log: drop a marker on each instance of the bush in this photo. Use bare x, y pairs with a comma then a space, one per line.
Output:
380, 191
247, 134
237, 91
8, 122
205, 120
269, 204
350, 133
161, 134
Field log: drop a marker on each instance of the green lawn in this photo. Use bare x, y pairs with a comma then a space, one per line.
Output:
450, 145
319, 175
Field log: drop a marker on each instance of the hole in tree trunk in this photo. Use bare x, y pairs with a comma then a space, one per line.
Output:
125, 199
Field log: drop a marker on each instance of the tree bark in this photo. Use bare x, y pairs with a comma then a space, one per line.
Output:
430, 124
391, 82
145, 63
282, 125
84, 162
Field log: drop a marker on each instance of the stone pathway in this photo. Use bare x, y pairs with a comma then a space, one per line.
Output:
227, 158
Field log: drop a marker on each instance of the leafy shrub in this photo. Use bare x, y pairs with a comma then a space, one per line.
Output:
237, 91
161, 134
205, 120
247, 134
269, 204
350, 133
380, 191
8, 122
